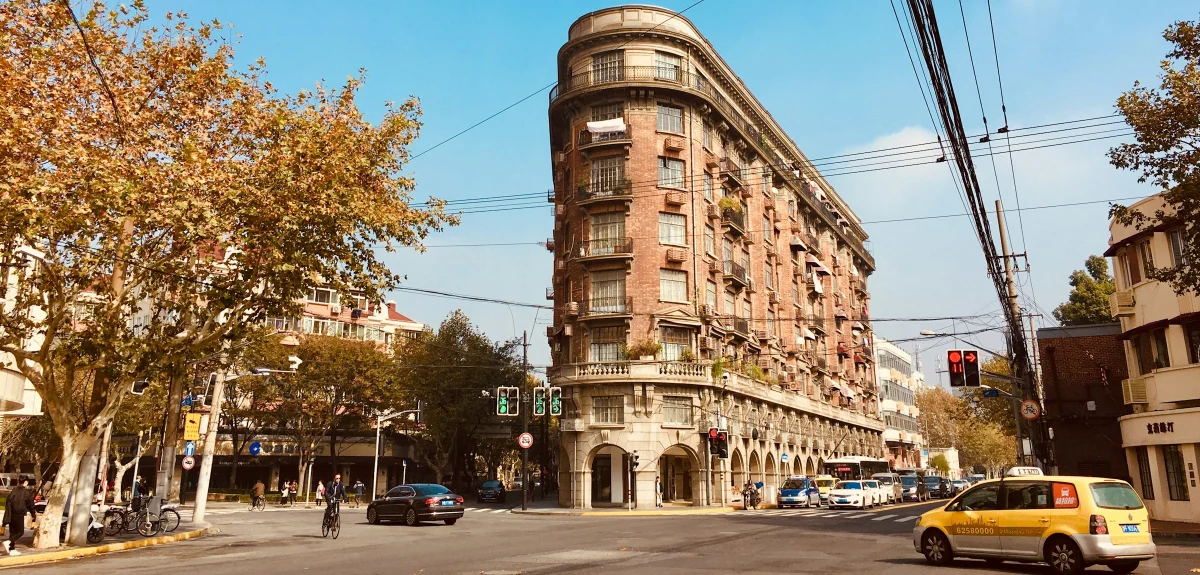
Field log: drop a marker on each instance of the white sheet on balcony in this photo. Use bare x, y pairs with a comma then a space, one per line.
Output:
807, 333
816, 283
607, 126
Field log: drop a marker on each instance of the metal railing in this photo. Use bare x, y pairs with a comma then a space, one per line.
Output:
606, 306
736, 271
741, 326
733, 170
735, 218
606, 247
587, 138
621, 188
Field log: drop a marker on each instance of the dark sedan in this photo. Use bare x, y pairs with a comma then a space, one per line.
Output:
491, 491
938, 487
415, 503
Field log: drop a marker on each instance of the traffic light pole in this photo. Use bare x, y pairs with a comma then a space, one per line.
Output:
524, 417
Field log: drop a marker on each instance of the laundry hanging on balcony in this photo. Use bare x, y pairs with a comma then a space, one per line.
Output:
607, 126
807, 333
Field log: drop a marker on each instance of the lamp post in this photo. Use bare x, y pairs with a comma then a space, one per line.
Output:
379, 426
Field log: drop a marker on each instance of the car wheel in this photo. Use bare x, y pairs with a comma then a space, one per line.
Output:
372, 516
936, 548
1064, 556
451, 521
410, 518
1123, 567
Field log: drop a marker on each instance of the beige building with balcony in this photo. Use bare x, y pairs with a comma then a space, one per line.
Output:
1161, 330
899, 382
705, 275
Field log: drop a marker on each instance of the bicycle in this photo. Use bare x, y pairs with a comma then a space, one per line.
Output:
332, 523
258, 503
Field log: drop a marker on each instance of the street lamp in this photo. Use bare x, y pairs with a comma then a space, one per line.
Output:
379, 426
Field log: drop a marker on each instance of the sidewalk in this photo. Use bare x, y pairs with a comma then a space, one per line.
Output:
1174, 530
551, 508
119, 542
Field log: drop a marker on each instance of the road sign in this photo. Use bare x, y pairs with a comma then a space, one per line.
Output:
189, 448
188, 463
191, 427
783, 458
255, 448
525, 441
1030, 409
991, 393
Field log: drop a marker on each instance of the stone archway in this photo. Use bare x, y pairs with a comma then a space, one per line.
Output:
755, 467
737, 469
810, 469
770, 471
680, 476
606, 476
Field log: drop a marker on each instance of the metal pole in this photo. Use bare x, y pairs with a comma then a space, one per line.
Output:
524, 417
1017, 419
210, 447
375, 476
137, 459
403, 471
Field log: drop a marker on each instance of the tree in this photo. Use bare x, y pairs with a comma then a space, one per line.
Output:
994, 410
986, 445
939, 463
940, 416
30, 440
1166, 126
146, 241
247, 400
1090, 290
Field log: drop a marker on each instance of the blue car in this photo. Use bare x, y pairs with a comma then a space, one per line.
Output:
799, 492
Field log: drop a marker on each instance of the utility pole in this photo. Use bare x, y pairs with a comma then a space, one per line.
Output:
210, 446
524, 416
1024, 372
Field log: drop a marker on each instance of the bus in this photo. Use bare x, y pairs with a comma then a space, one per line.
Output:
855, 467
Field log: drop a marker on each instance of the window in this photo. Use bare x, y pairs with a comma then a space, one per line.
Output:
792, 207
1176, 238
701, 82
1028, 496
726, 250
1151, 351
766, 181
672, 285
730, 309
672, 229
608, 111
670, 173
710, 240
607, 175
1147, 256
769, 275
708, 186
710, 295
667, 66
608, 292
608, 231
670, 119
606, 343
677, 410
984, 498
674, 341
608, 66
1191, 332
1176, 476
1115, 496
798, 338
707, 135
608, 409
1128, 261
322, 295
770, 323
795, 293
766, 227
1147, 481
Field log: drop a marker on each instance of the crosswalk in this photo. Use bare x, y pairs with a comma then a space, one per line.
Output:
485, 510
825, 514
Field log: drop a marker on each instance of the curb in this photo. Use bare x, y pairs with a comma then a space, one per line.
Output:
108, 548
1156, 535
574, 513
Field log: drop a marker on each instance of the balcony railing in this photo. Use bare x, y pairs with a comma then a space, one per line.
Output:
587, 138
606, 306
735, 273
735, 219
621, 247
621, 73
620, 189
733, 171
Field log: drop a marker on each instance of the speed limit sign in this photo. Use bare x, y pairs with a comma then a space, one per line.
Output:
525, 440
1030, 409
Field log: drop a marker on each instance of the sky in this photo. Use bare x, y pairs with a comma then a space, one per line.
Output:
834, 75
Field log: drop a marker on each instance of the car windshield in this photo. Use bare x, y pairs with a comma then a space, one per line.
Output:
825, 482
1115, 496
794, 484
432, 489
491, 484
850, 485
884, 480
908, 480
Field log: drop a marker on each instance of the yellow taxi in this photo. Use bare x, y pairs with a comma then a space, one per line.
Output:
1069, 522
824, 484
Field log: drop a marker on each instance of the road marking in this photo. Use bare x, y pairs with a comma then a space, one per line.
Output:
499, 511
791, 513
478, 509
857, 515
881, 518
811, 513
909, 518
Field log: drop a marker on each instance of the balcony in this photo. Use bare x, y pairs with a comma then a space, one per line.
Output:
621, 73
606, 249
596, 192
735, 220
588, 140
733, 173
741, 327
817, 323
602, 307
735, 274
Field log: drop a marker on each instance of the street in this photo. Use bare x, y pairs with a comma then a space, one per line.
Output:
492, 541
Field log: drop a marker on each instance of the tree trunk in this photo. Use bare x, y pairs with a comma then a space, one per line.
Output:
237, 453
73, 448
119, 480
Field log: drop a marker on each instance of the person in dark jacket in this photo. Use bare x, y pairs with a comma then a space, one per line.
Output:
20, 502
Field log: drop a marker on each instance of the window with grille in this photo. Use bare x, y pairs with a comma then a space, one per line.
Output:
608, 292
672, 285
1191, 332
770, 322
1176, 238
769, 275
710, 296
322, 295
667, 66
674, 341
708, 186
608, 66
672, 229
1177, 486
710, 240
707, 137
611, 111
1143, 460
792, 208
677, 410
606, 343
1147, 257
608, 232
607, 175
766, 227
608, 409
730, 309
670, 173
670, 119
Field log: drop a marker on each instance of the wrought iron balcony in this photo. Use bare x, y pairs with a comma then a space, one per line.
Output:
606, 248
621, 189
733, 172
606, 306
734, 219
736, 274
589, 140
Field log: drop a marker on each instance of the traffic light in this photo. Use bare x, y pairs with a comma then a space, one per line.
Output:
508, 401
539, 401
723, 444
139, 387
971, 367
954, 365
712, 441
555, 401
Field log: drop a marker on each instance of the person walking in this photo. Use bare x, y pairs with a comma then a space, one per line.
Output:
320, 491
658, 491
358, 492
283, 492
20, 502
292, 491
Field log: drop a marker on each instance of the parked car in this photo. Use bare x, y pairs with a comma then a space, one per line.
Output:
937, 486
914, 488
799, 491
891, 483
852, 494
491, 491
824, 484
975, 478
959, 485
880, 494
415, 503
1067, 521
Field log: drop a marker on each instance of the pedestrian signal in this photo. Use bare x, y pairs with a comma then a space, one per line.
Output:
954, 365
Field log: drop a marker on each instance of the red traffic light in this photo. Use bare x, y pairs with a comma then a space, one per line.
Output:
721, 436
955, 356
712, 433
970, 357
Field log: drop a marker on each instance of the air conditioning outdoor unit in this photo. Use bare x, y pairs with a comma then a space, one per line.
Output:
335, 309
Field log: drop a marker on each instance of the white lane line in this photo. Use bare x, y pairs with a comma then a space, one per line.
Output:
811, 513
499, 511
909, 518
882, 517
478, 509
791, 513
857, 515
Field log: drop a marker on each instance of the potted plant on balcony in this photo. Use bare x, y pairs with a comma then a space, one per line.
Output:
729, 204
644, 350
687, 355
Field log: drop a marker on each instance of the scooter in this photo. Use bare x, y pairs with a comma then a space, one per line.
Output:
751, 498
95, 532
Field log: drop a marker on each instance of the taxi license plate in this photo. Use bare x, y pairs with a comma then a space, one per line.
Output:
843, 501
447, 502
1129, 528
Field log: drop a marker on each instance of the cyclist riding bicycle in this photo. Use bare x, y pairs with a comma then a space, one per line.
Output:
334, 494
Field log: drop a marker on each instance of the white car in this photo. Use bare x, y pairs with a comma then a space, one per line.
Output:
852, 494
877, 489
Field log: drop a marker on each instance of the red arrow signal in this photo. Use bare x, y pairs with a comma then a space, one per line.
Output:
970, 357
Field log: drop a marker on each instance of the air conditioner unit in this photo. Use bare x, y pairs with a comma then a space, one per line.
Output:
566, 330
760, 333
708, 342
551, 331
560, 157
706, 310
572, 308
1133, 391
750, 285
715, 266
335, 309
774, 297
560, 210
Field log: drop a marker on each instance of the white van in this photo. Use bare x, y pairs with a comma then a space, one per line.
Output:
890, 482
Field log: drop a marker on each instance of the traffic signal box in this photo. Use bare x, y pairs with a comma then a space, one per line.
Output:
555, 401
971, 367
718, 443
963, 365
508, 401
539, 400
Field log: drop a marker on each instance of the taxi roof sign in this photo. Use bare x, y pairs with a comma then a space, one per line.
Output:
1023, 472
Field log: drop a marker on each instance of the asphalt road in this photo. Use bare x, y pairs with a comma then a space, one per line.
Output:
492, 541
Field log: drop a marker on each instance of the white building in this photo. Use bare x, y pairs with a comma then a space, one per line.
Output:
898, 383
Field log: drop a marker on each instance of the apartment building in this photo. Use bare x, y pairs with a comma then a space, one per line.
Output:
899, 381
17, 395
705, 275
1161, 333
325, 313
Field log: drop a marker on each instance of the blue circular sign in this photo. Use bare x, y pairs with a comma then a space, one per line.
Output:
255, 448
783, 458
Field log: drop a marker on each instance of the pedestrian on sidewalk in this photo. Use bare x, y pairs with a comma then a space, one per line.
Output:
358, 492
295, 487
657, 491
320, 491
20, 502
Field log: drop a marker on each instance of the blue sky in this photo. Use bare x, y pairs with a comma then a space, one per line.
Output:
833, 74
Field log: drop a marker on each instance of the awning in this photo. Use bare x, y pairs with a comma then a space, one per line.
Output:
678, 321
799, 244
607, 126
816, 283
858, 326
1144, 328
807, 333
1167, 223
846, 391
821, 269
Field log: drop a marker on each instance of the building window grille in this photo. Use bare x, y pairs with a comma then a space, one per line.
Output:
606, 343
608, 409
674, 341
608, 66
607, 174
1177, 486
667, 66
1147, 479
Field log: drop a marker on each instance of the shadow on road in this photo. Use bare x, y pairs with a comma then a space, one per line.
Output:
975, 564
